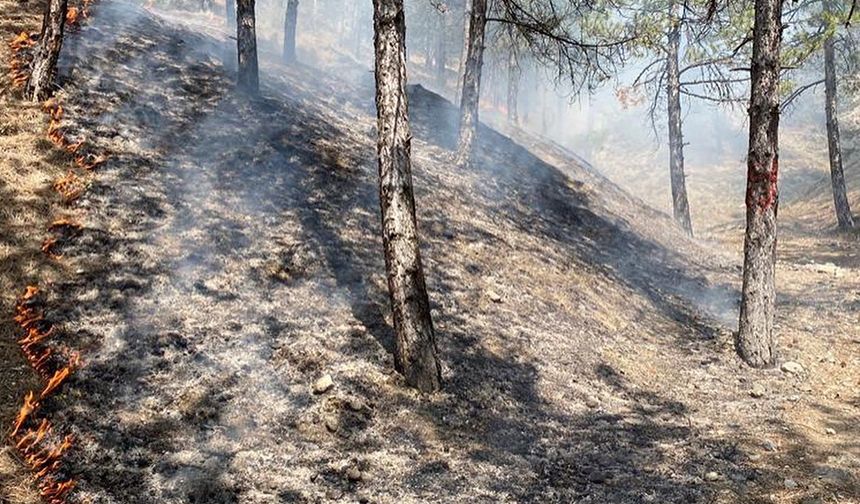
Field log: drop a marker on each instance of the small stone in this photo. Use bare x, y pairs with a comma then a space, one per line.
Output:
354, 474
830, 432
591, 402
355, 403
494, 296
598, 476
789, 484
769, 445
757, 392
331, 423
712, 476
828, 269
791, 367
323, 384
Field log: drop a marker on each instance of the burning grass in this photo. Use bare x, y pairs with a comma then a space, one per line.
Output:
19, 61
40, 451
25, 211
78, 149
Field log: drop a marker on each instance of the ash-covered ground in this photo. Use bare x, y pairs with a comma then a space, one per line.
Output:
230, 258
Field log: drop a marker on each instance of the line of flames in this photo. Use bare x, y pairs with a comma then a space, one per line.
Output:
17, 66
56, 134
44, 461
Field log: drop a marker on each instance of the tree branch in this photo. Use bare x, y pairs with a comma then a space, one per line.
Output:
797, 92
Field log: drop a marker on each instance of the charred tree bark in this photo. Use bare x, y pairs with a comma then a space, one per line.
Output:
291, 17
680, 203
246, 41
513, 89
471, 94
756, 341
844, 218
43, 77
416, 354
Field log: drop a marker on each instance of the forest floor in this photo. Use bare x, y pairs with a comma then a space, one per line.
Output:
229, 258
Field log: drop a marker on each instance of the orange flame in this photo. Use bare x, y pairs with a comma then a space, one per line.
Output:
26, 317
48, 247
21, 41
64, 222
30, 292
54, 383
86, 161
33, 437
30, 405
35, 335
48, 459
54, 492
75, 361
17, 67
39, 361
72, 16
70, 186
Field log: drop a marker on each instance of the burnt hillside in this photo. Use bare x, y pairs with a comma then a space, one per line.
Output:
230, 257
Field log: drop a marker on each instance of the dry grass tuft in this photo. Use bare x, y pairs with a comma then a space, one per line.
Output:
15, 487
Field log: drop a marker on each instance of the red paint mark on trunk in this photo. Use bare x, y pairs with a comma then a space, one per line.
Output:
762, 186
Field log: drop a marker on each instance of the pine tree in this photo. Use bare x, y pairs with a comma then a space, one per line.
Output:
43, 77
471, 93
416, 355
844, 218
246, 42
756, 341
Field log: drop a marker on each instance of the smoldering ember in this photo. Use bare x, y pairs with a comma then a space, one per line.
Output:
429, 251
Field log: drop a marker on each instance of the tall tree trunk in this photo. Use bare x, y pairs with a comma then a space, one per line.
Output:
416, 354
513, 88
246, 42
680, 204
231, 14
756, 341
471, 94
291, 17
837, 176
43, 78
